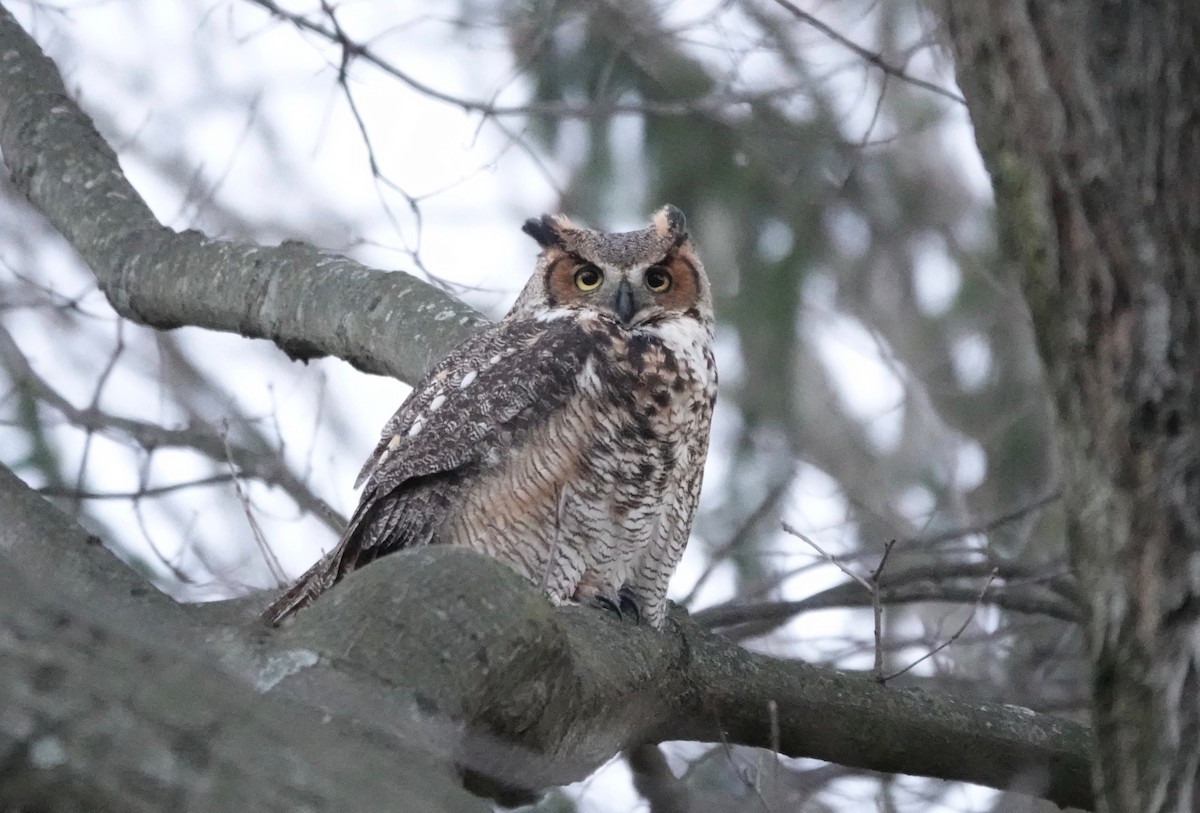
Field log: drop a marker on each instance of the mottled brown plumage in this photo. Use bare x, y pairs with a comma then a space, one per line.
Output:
568, 441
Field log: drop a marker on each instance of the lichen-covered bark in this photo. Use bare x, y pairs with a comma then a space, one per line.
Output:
307, 302
97, 718
108, 703
1087, 116
443, 655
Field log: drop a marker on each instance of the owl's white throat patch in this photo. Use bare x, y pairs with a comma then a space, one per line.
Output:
550, 314
688, 338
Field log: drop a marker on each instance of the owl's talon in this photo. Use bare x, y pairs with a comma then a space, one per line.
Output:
604, 601
629, 604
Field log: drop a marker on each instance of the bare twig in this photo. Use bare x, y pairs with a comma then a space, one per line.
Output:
201, 439
349, 50
866, 54
877, 609
871, 584
170, 564
1011, 572
966, 622
742, 771
594, 110
992, 523
773, 716
750, 620
738, 536
803, 537
137, 494
260, 539
863, 143
105, 374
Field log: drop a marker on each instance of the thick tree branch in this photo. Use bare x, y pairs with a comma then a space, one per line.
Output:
307, 302
110, 706
42, 539
542, 697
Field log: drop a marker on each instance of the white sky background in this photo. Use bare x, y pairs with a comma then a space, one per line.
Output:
249, 110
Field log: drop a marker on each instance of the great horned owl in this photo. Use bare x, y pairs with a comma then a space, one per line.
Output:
567, 441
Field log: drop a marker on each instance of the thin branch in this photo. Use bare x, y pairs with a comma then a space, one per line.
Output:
596, 109
748, 620
871, 584
966, 622
170, 564
140, 493
776, 737
866, 54
863, 143
738, 536
1012, 573
991, 524
877, 608
109, 366
803, 537
148, 435
260, 539
741, 771
351, 49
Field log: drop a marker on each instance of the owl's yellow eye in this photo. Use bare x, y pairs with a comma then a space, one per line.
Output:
588, 278
658, 279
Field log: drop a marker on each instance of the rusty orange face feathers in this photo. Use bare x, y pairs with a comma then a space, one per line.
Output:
637, 278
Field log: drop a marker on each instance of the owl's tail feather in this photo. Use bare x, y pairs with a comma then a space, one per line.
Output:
315, 581
325, 573
378, 526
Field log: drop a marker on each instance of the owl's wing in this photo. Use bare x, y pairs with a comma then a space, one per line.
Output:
475, 404
497, 383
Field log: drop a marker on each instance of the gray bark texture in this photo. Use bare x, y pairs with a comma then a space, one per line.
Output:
111, 700
114, 697
437, 657
1087, 117
307, 302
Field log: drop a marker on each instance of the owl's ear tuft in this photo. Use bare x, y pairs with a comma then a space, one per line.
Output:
548, 230
670, 223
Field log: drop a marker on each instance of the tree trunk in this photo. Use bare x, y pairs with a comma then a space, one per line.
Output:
1087, 116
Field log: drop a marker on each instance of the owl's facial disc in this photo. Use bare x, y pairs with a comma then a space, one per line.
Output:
660, 286
632, 296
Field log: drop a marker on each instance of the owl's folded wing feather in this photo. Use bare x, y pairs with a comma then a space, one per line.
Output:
475, 405
497, 382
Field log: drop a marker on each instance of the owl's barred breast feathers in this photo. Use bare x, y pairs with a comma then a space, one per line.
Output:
568, 440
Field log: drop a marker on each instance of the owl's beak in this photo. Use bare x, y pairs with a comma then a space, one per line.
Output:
623, 303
